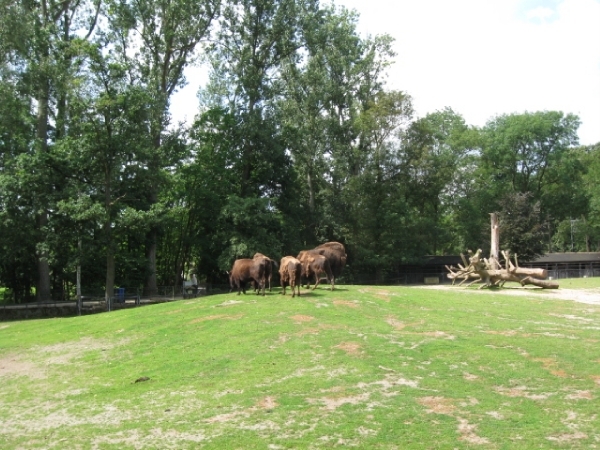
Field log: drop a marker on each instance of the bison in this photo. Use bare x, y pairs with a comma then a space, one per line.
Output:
314, 264
290, 274
247, 270
335, 254
269, 267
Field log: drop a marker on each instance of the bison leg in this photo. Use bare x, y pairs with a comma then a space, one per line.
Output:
316, 281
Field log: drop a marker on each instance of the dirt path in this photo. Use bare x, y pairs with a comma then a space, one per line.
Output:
589, 296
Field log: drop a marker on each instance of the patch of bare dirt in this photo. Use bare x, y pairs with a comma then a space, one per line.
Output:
56, 354
379, 293
217, 317
12, 366
437, 335
521, 391
467, 433
580, 395
229, 303
266, 403
399, 325
438, 405
470, 377
302, 318
226, 417
315, 330
332, 403
566, 438
446, 406
351, 348
550, 365
346, 303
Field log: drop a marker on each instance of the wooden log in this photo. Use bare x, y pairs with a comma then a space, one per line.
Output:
536, 273
533, 272
546, 284
494, 279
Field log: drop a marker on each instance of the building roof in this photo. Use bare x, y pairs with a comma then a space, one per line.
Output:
571, 257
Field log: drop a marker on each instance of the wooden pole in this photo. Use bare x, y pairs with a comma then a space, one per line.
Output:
495, 242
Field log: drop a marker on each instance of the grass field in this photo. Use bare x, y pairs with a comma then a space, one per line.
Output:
363, 367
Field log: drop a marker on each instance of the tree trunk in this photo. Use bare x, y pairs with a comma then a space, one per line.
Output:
79, 251
311, 193
110, 276
43, 290
495, 242
109, 287
151, 286
520, 271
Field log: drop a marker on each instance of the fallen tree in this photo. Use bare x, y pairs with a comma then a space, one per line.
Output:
479, 269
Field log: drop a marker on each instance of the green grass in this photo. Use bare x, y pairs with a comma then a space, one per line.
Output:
365, 367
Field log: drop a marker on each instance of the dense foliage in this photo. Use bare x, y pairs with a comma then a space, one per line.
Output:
297, 141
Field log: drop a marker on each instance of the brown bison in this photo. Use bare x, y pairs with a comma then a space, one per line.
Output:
336, 254
290, 274
269, 267
247, 270
314, 264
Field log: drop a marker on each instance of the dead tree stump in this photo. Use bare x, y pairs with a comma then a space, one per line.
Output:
479, 269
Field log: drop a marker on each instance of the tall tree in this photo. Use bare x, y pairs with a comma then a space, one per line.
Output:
108, 149
334, 79
379, 212
41, 42
18, 233
157, 40
255, 39
435, 155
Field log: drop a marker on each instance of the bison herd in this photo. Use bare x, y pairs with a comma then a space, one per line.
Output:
328, 259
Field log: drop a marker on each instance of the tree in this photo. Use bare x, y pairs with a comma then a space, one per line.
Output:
163, 36
330, 84
18, 231
523, 228
378, 209
436, 159
578, 227
519, 150
106, 152
256, 37
41, 43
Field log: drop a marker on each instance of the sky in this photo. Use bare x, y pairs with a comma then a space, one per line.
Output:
482, 58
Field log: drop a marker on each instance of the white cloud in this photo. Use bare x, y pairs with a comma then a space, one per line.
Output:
485, 58
541, 14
